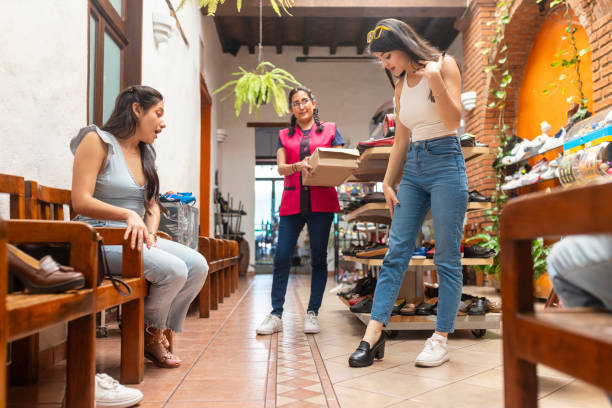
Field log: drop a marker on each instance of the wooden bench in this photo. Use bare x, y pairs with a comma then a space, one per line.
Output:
576, 342
222, 280
26, 314
44, 202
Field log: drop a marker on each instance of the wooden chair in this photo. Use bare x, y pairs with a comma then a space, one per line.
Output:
26, 314
205, 293
48, 203
571, 341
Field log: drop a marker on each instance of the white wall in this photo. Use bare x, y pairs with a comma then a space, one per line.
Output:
347, 93
173, 68
43, 83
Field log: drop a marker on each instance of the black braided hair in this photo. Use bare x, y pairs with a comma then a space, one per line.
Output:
315, 112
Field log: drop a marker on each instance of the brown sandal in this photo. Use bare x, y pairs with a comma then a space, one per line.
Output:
152, 351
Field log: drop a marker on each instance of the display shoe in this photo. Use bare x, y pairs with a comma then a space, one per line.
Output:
311, 323
493, 307
399, 303
110, 394
466, 303
430, 254
476, 197
477, 251
364, 355
364, 306
419, 253
44, 276
375, 251
434, 353
271, 324
367, 144
467, 140
408, 309
478, 308
427, 307
430, 289
355, 300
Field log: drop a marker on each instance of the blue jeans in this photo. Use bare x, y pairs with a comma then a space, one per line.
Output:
289, 229
434, 177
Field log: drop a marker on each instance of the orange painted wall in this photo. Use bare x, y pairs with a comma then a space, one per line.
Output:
533, 105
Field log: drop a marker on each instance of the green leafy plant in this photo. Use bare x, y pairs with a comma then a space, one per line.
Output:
212, 5
540, 252
258, 87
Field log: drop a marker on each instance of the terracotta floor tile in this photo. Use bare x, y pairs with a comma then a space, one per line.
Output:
300, 394
302, 404
298, 383
216, 404
220, 390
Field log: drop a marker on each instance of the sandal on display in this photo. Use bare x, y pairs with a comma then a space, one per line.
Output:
156, 351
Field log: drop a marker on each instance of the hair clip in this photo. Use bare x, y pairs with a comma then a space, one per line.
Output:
130, 89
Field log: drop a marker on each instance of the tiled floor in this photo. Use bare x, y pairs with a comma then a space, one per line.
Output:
227, 365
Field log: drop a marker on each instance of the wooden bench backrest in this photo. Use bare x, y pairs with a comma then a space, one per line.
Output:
14, 186
46, 203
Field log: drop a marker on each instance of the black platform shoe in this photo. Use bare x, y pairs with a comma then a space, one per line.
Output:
364, 355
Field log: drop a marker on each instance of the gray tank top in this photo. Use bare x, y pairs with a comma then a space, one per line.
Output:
115, 184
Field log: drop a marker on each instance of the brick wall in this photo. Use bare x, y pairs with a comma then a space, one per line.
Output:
596, 18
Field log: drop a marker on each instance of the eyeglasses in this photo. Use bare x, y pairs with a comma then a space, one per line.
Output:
376, 33
299, 104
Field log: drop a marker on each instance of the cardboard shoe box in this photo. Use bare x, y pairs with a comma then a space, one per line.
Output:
331, 166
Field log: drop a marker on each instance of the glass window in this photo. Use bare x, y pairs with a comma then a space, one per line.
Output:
118, 5
93, 28
112, 75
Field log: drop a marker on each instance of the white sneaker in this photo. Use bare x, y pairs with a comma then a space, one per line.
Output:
109, 393
311, 324
271, 324
434, 353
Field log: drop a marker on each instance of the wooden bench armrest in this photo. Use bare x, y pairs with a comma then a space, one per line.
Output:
574, 210
80, 236
131, 261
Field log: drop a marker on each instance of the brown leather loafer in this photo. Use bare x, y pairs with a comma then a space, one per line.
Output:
44, 276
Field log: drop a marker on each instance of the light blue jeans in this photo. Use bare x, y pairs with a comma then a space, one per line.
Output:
580, 268
434, 177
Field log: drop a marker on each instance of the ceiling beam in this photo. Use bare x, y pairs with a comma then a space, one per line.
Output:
305, 35
279, 35
334, 37
251, 33
222, 38
354, 8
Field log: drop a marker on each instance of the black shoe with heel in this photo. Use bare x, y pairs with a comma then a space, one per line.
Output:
364, 355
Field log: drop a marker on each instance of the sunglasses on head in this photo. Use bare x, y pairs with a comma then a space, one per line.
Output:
376, 33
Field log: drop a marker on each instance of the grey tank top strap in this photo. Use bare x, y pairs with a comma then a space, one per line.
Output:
115, 184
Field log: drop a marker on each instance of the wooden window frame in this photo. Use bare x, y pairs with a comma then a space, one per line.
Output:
127, 33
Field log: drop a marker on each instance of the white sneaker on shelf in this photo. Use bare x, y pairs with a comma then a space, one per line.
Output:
110, 394
311, 323
434, 353
271, 324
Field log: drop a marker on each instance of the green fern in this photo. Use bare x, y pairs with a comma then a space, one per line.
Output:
258, 87
212, 5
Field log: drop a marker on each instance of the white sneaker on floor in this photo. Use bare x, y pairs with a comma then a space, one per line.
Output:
434, 353
110, 394
271, 324
311, 323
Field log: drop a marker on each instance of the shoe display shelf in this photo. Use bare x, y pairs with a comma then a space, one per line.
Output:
379, 212
372, 167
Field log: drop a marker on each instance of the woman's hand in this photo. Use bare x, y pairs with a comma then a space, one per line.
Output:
304, 166
137, 229
390, 198
151, 240
430, 68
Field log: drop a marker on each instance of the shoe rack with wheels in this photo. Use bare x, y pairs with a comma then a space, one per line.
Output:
373, 164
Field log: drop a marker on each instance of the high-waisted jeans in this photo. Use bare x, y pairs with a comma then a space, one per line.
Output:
289, 229
434, 177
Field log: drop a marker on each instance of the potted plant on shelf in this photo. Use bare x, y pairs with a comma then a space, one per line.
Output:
258, 87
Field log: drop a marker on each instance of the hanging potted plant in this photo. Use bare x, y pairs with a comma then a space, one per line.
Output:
258, 87
212, 5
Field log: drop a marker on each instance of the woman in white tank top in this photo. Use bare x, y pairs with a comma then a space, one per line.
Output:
427, 156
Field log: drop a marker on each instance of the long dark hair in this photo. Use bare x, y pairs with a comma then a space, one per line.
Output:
122, 124
315, 112
403, 37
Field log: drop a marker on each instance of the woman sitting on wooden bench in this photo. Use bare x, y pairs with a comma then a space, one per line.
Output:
115, 184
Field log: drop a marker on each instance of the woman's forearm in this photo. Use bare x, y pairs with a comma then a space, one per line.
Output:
152, 218
93, 208
287, 169
396, 160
